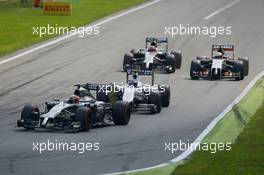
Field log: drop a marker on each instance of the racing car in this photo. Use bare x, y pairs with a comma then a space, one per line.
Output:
222, 64
80, 112
145, 97
141, 97
153, 57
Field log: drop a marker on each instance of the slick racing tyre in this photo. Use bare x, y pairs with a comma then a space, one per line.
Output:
239, 68
170, 62
202, 58
121, 113
83, 115
136, 53
128, 61
165, 95
195, 67
155, 98
30, 114
178, 58
246, 65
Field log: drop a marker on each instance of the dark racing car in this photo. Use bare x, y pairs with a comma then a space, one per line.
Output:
221, 64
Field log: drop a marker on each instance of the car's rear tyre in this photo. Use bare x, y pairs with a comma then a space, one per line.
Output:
83, 115
134, 51
202, 58
178, 58
245, 61
30, 114
195, 67
165, 95
121, 113
137, 53
241, 75
239, 68
155, 98
171, 62
128, 60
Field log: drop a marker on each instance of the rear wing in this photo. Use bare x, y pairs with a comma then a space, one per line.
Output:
158, 41
94, 86
224, 47
142, 72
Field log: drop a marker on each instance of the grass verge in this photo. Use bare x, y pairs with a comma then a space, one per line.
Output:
246, 156
17, 21
244, 127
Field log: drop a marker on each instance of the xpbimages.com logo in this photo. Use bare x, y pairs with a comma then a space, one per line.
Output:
124, 88
60, 30
211, 31
173, 147
50, 146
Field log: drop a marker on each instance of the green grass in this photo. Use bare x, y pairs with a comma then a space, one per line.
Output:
244, 127
156, 171
17, 20
229, 128
246, 156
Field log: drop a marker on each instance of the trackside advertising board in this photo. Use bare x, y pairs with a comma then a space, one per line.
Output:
57, 8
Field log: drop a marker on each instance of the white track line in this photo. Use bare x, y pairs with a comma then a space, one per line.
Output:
220, 10
205, 132
72, 34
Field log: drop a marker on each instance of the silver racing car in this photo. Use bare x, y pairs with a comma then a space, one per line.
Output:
80, 112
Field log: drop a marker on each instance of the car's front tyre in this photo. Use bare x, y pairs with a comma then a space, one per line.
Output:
83, 116
30, 116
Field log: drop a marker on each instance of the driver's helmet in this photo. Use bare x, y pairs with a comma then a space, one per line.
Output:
152, 49
154, 44
81, 92
73, 99
219, 55
134, 81
221, 50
